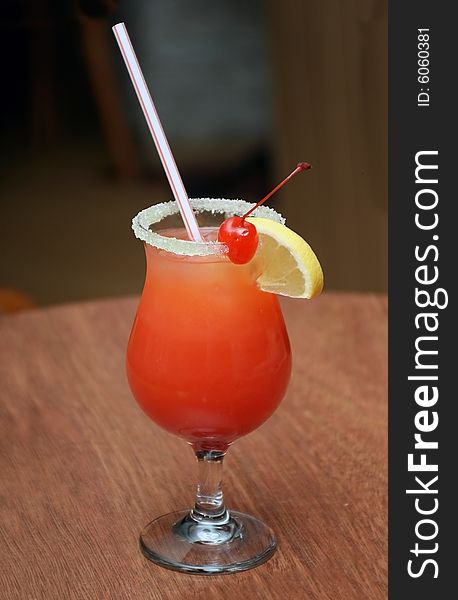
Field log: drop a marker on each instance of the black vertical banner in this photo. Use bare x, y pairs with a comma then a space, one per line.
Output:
423, 332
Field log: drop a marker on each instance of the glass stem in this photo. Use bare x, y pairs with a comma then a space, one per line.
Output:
209, 504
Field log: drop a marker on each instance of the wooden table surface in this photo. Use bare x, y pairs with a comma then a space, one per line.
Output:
82, 469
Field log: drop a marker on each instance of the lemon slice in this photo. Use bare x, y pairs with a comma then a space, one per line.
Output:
289, 265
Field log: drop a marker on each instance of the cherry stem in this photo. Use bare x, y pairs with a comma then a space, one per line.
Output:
302, 166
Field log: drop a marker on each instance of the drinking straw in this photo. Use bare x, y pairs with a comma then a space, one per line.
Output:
157, 132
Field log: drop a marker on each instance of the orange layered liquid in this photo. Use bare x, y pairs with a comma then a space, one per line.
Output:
208, 357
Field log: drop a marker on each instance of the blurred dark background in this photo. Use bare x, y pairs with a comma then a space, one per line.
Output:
245, 89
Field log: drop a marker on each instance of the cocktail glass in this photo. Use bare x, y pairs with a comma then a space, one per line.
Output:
209, 360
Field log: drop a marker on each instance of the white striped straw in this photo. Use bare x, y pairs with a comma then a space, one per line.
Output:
155, 127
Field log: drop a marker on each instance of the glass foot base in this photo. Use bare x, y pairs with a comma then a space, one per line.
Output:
179, 542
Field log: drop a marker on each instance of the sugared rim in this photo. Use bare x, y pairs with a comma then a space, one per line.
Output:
153, 215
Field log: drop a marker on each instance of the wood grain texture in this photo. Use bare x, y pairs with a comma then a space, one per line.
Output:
82, 469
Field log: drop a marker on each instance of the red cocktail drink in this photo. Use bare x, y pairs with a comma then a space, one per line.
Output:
208, 360
209, 357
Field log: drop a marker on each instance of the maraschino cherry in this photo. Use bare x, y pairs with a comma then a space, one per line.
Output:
240, 236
